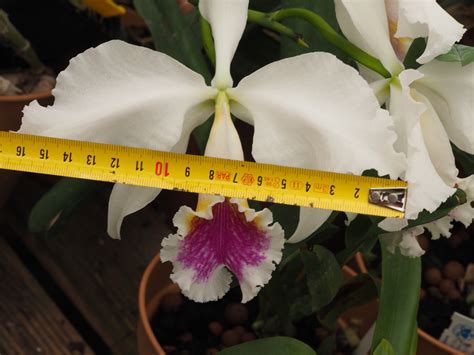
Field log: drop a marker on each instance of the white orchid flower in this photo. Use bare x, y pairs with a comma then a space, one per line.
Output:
430, 106
309, 111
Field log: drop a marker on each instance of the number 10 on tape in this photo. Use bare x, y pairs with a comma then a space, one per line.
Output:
183, 172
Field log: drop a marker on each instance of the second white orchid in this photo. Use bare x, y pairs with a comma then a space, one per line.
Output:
430, 106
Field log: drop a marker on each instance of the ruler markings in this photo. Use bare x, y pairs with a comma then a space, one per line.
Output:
265, 182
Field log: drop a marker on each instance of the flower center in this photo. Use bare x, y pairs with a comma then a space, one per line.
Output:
224, 141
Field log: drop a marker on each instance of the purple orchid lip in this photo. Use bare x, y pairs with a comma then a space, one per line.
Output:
227, 237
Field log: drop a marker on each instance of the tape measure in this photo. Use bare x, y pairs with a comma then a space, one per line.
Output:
199, 174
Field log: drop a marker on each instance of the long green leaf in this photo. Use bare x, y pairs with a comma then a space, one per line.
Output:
355, 292
399, 298
424, 217
58, 202
270, 346
384, 348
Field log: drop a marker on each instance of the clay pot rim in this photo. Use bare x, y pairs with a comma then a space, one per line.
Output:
421, 333
143, 314
26, 97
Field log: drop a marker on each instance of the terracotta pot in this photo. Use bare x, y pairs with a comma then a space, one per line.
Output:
156, 283
10, 119
427, 345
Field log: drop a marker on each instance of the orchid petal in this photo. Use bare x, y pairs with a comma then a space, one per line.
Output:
125, 200
425, 18
427, 189
393, 224
291, 105
228, 19
465, 212
440, 227
226, 236
406, 241
401, 45
121, 94
310, 220
450, 89
437, 142
365, 24
128, 95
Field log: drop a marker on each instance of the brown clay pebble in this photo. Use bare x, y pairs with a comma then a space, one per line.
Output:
248, 337
453, 270
454, 294
433, 276
321, 334
215, 328
446, 285
230, 338
186, 337
236, 313
240, 330
424, 242
171, 302
212, 351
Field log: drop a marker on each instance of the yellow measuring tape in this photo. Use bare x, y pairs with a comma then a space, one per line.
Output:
172, 171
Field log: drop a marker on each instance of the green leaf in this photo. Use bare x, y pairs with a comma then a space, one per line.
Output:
355, 292
465, 160
361, 235
399, 298
328, 345
323, 275
58, 202
281, 304
424, 217
458, 53
287, 216
273, 346
384, 348
414, 52
173, 33
325, 9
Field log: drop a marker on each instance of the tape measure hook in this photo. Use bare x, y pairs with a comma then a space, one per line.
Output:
393, 198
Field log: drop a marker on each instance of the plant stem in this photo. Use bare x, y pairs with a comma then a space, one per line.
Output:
10, 36
266, 21
332, 36
207, 40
